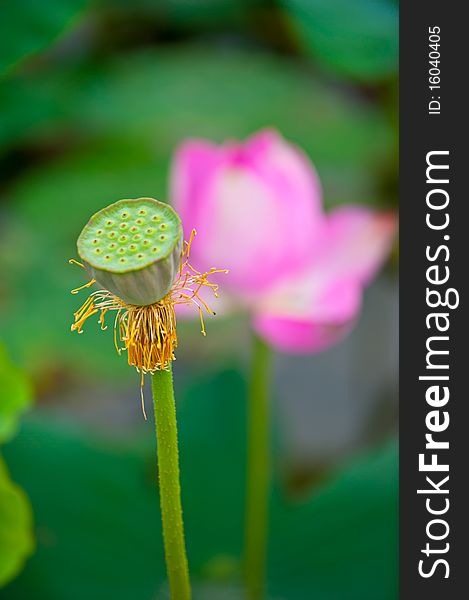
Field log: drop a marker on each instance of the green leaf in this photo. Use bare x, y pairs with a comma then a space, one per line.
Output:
33, 108
356, 39
15, 396
16, 542
98, 518
160, 98
188, 14
342, 542
29, 27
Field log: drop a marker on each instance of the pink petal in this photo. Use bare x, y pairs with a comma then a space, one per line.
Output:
256, 207
315, 308
355, 242
194, 164
300, 337
308, 313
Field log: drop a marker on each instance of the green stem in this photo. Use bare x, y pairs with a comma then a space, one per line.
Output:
170, 488
258, 472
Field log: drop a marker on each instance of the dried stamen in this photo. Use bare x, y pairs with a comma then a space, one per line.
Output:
148, 333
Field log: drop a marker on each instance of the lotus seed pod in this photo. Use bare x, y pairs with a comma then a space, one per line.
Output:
133, 248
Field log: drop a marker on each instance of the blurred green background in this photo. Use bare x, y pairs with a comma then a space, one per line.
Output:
94, 98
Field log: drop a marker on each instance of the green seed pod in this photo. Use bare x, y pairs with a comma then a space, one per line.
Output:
133, 248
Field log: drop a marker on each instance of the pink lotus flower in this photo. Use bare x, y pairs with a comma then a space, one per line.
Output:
257, 209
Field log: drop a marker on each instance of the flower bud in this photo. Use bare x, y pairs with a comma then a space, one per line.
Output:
132, 248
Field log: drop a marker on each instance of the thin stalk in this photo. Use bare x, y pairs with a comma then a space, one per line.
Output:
170, 488
258, 472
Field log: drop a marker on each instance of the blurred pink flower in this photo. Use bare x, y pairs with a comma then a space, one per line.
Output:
257, 209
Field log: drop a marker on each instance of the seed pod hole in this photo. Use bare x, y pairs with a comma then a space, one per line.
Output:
131, 230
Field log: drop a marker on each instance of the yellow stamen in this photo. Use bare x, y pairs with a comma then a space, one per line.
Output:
87, 285
72, 261
142, 383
